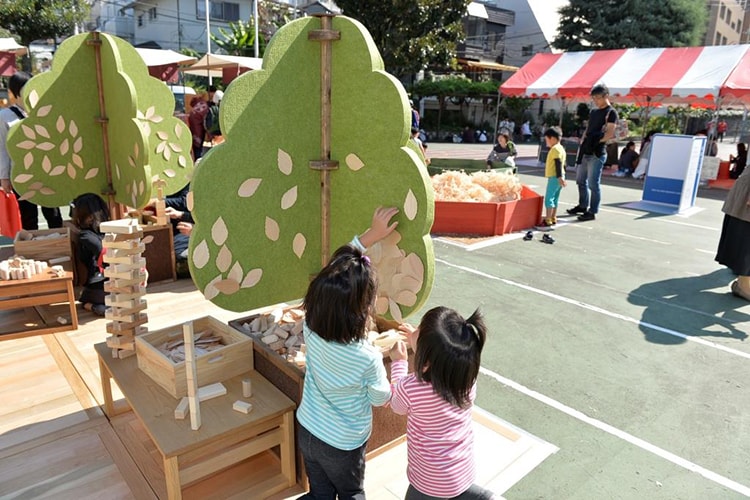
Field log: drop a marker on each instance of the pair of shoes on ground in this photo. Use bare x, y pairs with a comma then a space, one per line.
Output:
584, 216
546, 238
576, 210
739, 292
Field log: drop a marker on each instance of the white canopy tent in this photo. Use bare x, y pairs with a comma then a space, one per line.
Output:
159, 57
214, 65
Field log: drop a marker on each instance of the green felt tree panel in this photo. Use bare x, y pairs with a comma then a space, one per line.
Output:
58, 151
256, 201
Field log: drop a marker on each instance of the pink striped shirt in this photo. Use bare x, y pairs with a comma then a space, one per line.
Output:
440, 436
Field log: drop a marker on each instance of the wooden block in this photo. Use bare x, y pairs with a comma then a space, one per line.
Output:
242, 407
123, 248
111, 258
123, 311
115, 300
117, 327
132, 274
124, 353
211, 391
247, 387
181, 411
121, 343
277, 346
121, 226
125, 292
111, 237
119, 283
281, 333
269, 339
129, 319
137, 265
192, 376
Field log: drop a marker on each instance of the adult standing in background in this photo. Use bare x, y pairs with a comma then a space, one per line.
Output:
721, 129
526, 131
734, 244
8, 117
592, 154
414, 115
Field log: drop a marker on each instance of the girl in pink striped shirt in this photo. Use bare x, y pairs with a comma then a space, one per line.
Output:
437, 400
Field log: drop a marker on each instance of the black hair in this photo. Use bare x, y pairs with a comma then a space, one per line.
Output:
339, 299
553, 132
89, 210
212, 88
17, 81
629, 144
741, 148
414, 130
599, 89
448, 353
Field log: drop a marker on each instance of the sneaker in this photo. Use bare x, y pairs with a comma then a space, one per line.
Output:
576, 210
546, 238
586, 216
545, 225
528, 236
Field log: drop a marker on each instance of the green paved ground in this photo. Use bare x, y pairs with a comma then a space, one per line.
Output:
597, 324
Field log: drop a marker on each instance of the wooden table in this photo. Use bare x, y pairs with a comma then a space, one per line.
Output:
226, 437
42, 289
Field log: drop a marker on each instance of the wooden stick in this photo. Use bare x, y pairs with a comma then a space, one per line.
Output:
191, 373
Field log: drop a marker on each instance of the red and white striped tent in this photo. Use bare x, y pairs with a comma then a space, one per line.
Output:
702, 76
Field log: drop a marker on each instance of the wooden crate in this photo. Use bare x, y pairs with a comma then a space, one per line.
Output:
60, 248
224, 363
388, 428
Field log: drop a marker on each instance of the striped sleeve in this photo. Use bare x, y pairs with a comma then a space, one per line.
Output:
399, 401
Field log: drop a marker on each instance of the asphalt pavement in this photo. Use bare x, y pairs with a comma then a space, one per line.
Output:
620, 343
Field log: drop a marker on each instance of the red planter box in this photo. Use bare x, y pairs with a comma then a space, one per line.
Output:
488, 219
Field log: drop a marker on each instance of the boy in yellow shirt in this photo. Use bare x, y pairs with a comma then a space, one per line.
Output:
554, 171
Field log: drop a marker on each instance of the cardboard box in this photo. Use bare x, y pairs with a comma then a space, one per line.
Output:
235, 358
34, 245
488, 219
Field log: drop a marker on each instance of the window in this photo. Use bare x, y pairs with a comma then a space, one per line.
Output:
722, 11
739, 26
717, 40
729, 16
152, 14
140, 20
527, 50
734, 26
222, 11
723, 40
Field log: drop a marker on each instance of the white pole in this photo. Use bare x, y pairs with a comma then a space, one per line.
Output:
208, 41
255, 14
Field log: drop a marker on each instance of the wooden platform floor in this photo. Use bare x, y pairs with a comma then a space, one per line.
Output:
55, 441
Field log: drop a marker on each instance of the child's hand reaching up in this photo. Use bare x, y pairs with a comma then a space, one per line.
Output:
398, 351
380, 227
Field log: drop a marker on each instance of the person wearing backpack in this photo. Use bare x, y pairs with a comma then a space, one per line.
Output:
8, 117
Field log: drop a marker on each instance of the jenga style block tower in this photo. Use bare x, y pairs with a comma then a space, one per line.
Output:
161, 216
126, 305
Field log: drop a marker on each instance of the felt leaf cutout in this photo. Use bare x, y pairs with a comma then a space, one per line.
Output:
298, 244
272, 229
410, 205
47, 191
236, 273
58, 132
36, 185
42, 131
252, 278
190, 201
147, 239
285, 162
20, 179
26, 195
211, 290
289, 198
353, 162
276, 230
170, 173
248, 188
381, 305
224, 259
201, 255
219, 232
227, 286
91, 173
44, 111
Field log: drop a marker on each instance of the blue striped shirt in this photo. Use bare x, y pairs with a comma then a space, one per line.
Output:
342, 383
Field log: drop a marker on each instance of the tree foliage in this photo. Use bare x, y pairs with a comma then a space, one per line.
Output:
411, 34
617, 24
240, 39
36, 19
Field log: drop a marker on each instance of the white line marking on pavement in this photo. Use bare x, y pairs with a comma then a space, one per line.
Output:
640, 238
710, 252
614, 431
604, 312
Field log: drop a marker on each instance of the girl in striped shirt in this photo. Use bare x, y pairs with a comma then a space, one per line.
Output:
437, 400
345, 376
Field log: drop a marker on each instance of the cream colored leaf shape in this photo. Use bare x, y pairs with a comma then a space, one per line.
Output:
182, 161
136, 150
219, 232
201, 255
407, 298
224, 259
178, 130
33, 98
28, 132
150, 112
42, 131
26, 145
272, 229
167, 153
285, 162
73, 128
298, 244
77, 160
211, 291
47, 191
160, 147
189, 201
410, 205
28, 161
395, 310
91, 173
60, 124
248, 188
23, 178
57, 170
252, 278
147, 239
27, 195
36, 185
45, 146
227, 286
44, 111
354, 162
78, 145
162, 135
64, 146
175, 147
46, 164
169, 173
72, 172
236, 273
289, 198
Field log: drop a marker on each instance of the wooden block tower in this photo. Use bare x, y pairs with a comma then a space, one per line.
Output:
160, 206
126, 305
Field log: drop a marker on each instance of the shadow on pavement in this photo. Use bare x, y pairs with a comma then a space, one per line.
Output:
700, 306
